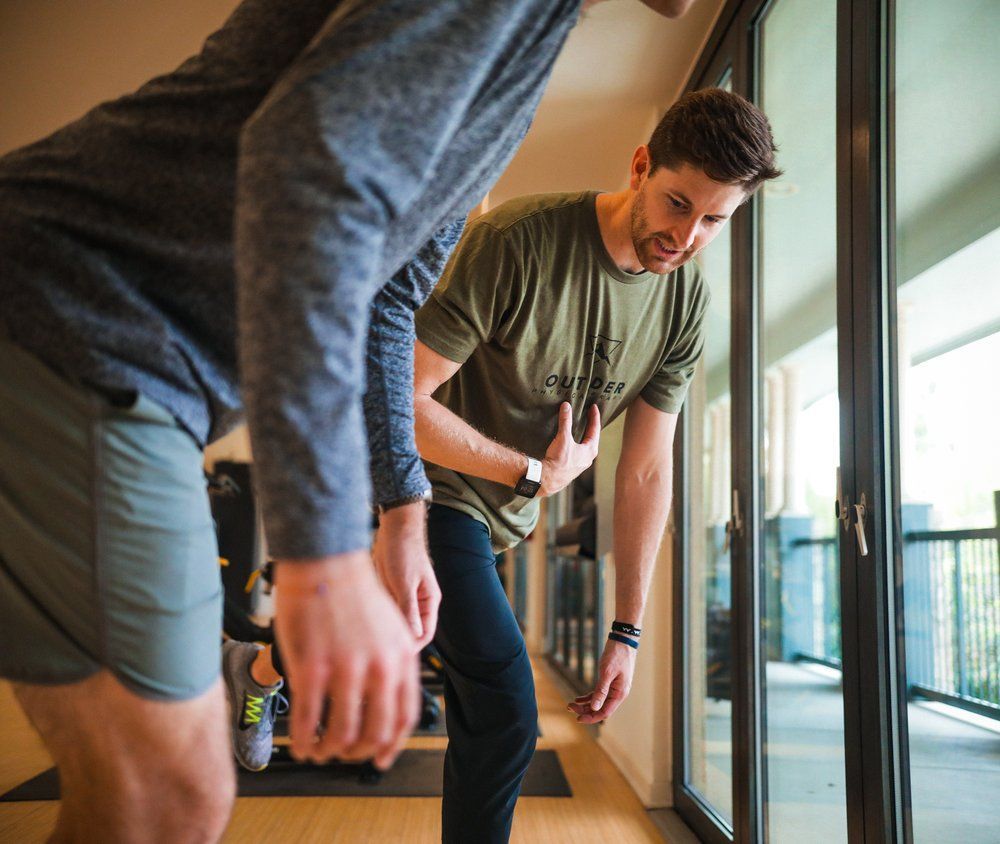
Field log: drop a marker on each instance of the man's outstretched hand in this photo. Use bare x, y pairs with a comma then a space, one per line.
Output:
344, 641
614, 681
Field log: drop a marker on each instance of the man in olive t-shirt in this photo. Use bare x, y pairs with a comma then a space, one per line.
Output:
556, 313
538, 313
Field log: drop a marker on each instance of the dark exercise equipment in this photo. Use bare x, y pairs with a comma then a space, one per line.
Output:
235, 515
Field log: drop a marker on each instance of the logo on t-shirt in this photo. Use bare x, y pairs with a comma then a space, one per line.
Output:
603, 347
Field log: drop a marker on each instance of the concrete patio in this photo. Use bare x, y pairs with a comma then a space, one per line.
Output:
955, 765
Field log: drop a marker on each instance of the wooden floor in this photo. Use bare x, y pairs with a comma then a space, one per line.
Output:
603, 808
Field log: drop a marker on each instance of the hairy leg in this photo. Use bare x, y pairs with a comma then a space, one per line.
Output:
131, 768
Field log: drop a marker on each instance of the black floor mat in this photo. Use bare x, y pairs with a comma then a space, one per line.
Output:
417, 773
439, 728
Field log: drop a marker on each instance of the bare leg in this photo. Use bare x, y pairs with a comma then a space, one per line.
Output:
133, 769
262, 668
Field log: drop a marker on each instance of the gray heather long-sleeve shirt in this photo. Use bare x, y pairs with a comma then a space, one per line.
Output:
253, 210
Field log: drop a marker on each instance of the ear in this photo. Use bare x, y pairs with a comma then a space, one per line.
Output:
640, 167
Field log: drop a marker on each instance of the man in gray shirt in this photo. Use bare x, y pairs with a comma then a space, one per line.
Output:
222, 238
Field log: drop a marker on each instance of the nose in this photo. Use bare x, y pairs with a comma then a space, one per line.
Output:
683, 234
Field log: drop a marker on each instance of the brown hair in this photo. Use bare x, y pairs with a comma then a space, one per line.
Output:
724, 134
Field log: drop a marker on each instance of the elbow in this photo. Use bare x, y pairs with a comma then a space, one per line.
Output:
643, 479
420, 411
287, 154
669, 8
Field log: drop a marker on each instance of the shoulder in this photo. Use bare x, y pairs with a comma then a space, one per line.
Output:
690, 284
536, 211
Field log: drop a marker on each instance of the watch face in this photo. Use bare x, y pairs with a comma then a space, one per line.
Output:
527, 488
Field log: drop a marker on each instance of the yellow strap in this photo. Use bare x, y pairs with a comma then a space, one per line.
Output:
251, 581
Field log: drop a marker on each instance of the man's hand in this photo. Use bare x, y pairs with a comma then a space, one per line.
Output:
614, 680
566, 458
404, 566
344, 641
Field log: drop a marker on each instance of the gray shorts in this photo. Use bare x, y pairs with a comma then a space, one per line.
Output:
107, 549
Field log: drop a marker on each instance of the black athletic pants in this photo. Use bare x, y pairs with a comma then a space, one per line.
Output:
489, 689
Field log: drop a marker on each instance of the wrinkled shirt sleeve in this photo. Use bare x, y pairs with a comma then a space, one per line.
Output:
334, 156
348, 141
396, 468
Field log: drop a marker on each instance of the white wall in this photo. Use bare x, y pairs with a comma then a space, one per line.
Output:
60, 57
638, 737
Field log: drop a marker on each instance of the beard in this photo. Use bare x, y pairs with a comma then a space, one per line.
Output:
644, 242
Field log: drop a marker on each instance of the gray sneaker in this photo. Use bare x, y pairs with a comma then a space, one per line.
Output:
252, 707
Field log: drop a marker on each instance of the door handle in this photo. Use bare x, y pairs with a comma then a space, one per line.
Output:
735, 523
860, 511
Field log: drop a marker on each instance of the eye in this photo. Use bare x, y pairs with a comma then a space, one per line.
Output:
676, 203
714, 220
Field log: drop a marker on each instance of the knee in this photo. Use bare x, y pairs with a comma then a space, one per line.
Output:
196, 804
209, 800
215, 802
522, 714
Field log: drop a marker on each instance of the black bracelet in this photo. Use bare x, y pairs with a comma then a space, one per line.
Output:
622, 627
625, 640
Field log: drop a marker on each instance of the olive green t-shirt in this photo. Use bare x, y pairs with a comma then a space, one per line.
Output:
533, 307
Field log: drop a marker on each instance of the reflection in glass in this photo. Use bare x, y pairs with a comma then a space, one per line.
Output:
947, 226
709, 596
803, 711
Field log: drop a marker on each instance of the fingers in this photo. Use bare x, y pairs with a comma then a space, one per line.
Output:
307, 708
602, 702
614, 699
378, 729
408, 713
592, 435
346, 693
565, 431
429, 602
376, 723
411, 612
348, 644
600, 693
581, 704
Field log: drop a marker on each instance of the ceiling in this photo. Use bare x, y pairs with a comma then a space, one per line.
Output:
622, 66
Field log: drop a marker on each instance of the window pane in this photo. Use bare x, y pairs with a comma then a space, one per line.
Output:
947, 192
803, 712
709, 597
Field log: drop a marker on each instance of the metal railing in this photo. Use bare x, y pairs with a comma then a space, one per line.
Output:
575, 623
952, 594
824, 565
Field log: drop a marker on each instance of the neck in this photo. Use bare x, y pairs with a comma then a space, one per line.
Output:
614, 217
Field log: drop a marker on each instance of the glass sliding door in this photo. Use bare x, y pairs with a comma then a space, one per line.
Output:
946, 144
709, 575
798, 441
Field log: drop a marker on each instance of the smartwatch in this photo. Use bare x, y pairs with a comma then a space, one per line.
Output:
529, 485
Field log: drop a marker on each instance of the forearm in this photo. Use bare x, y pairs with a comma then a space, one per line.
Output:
642, 504
445, 439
